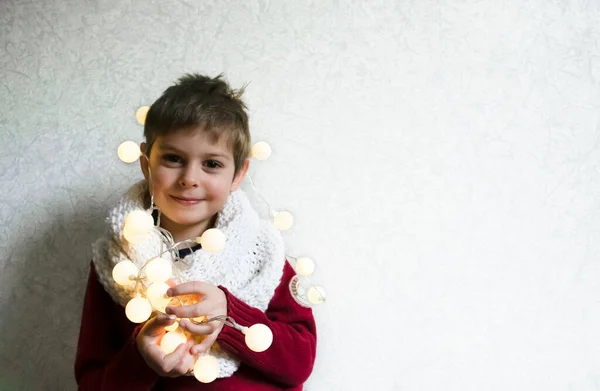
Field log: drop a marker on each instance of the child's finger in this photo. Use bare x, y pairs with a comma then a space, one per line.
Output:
185, 365
205, 344
189, 311
157, 325
171, 360
188, 288
202, 329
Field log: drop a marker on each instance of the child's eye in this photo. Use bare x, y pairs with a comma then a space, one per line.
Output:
171, 158
213, 164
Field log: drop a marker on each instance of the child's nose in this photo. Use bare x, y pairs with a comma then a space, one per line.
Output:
188, 182
190, 177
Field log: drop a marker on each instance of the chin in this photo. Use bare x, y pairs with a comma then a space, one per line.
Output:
187, 221
182, 218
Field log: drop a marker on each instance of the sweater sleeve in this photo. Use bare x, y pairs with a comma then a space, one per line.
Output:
106, 358
290, 358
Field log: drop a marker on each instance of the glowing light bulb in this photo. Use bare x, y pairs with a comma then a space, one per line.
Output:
129, 151
138, 310
134, 237
305, 266
261, 151
172, 327
157, 295
212, 240
122, 271
259, 337
139, 221
171, 340
283, 220
206, 368
141, 114
316, 294
159, 270
137, 226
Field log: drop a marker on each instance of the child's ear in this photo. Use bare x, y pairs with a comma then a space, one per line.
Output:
239, 178
144, 161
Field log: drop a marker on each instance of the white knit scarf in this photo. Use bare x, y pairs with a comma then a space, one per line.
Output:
250, 266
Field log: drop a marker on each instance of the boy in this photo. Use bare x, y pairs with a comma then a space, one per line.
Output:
196, 156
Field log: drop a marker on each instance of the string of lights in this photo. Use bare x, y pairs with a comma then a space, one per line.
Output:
150, 282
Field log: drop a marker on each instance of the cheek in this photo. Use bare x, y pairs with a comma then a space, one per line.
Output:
219, 189
162, 179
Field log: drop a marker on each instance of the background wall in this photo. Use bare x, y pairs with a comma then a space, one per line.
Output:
441, 159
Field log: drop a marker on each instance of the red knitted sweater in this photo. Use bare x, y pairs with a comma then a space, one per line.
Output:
108, 359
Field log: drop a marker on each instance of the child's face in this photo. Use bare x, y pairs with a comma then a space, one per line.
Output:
191, 179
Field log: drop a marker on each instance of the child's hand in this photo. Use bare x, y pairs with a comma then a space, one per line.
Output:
174, 364
213, 302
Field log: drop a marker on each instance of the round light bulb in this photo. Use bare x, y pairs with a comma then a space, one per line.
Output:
134, 237
172, 327
261, 151
122, 271
171, 340
157, 295
305, 266
139, 221
206, 368
137, 226
141, 114
138, 310
129, 151
259, 337
283, 220
213, 240
316, 294
159, 270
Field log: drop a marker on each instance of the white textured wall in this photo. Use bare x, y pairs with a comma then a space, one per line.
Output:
441, 158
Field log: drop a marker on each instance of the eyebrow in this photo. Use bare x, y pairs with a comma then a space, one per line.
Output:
165, 146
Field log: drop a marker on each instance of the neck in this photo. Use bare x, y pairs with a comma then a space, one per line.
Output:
184, 232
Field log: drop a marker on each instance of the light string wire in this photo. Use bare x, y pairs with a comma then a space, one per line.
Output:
272, 215
257, 339
171, 248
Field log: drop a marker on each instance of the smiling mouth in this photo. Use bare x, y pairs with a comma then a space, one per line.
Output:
187, 201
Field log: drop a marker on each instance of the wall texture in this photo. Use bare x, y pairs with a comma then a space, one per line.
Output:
441, 158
